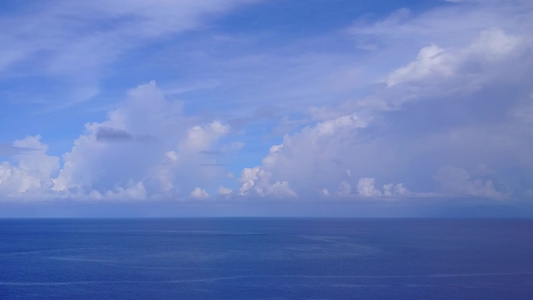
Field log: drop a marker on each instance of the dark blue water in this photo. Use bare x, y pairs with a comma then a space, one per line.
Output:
266, 259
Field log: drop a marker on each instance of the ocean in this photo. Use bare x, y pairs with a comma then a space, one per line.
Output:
266, 258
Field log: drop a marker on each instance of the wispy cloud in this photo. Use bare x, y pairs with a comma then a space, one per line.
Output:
72, 44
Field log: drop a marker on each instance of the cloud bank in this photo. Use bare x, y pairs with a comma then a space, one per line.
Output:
417, 106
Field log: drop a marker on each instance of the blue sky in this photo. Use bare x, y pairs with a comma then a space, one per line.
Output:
250, 107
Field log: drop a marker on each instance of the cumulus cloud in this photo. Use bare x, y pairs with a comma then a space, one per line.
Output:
312, 155
131, 191
453, 57
399, 189
456, 103
31, 171
199, 193
257, 181
199, 138
489, 46
327, 154
453, 93
224, 191
430, 61
102, 160
366, 188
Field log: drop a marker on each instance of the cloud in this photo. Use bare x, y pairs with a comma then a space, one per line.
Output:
161, 167
199, 193
457, 181
399, 189
257, 180
311, 156
223, 191
365, 188
330, 152
405, 28
430, 61
456, 103
413, 92
491, 46
131, 191
200, 137
31, 172
72, 43
344, 189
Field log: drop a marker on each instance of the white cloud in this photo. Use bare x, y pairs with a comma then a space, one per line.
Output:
463, 100
200, 138
453, 57
430, 61
366, 188
93, 163
312, 155
257, 180
448, 72
31, 172
329, 153
146, 141
223, 191
494, 44
199, 193
456, 103
399, 189
248, 178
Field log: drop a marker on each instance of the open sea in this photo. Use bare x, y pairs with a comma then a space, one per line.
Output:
266, 258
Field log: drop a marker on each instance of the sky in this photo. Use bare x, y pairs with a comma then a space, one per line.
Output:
266, 108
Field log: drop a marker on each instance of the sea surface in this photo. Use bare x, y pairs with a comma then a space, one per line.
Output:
266, 258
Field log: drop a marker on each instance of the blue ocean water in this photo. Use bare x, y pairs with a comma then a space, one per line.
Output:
266, 258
